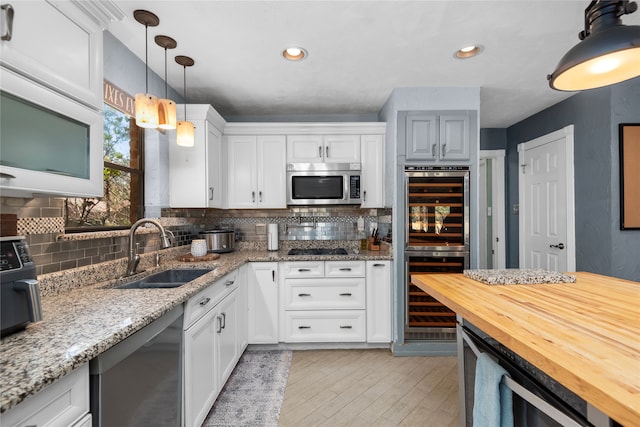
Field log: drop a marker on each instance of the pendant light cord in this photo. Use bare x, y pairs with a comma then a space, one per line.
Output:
185, 91
146, 57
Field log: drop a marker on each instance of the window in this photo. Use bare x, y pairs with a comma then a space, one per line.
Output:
122, 203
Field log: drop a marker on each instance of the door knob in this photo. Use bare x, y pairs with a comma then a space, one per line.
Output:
559, 246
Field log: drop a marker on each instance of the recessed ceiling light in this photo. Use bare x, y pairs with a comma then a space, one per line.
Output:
294, 53
468, 51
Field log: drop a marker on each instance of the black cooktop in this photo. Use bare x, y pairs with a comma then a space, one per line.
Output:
318, 251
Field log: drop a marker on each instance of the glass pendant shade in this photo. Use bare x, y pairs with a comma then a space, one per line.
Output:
166, 114
146, 110
185, 134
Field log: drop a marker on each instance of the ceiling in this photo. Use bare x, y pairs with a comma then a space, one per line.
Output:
359, 51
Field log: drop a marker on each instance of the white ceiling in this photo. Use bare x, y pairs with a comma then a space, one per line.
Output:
359, 51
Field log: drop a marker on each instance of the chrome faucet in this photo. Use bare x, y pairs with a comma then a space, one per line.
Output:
134, 257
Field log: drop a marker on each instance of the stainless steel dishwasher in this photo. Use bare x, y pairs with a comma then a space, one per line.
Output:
138, 382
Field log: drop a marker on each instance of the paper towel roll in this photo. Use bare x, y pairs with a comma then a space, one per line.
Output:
272, 237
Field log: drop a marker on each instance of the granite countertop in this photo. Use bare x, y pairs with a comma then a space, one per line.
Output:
84, 316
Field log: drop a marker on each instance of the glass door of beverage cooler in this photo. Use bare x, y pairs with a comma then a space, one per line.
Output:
437, 208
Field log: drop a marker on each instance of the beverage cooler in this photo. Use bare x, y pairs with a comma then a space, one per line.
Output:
437, 241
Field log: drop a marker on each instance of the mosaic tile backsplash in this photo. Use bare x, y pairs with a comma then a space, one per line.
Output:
41, 221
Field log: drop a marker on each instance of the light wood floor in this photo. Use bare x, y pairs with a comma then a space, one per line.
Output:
370, 388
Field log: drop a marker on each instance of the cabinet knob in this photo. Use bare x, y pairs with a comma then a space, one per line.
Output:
444, 150
345, 269
319, 151
345, 294
304, 295
253, 197
210, 193
433, 150
230, 282
204, 301
346, 327
304, 327
8, 10
304, 270
327, 150
364, 199
378, 265
260, 196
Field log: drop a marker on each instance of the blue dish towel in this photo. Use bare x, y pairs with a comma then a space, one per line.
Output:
492, 405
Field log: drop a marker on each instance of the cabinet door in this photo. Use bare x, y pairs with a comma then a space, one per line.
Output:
379, 301
214, 167
242, 192
188, 171
57, 45
272, 172
421, 136
263, 303
200, 369
227, 336
342, 148
242, 281
372, 171
454, 137
304, 149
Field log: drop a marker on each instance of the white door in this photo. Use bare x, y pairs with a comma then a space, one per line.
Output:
263, 302
342, 148
242, 191
214, 166
272, 173
372, 171
547, 231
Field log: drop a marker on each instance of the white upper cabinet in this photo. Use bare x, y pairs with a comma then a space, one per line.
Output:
51, 83
257, 172
196, 173
437, 136
58, 44
372, 171
323, 148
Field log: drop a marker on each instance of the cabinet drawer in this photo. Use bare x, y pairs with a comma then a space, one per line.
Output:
325, 326
344, 268
304, 269
206, 299
60, 404
309, 294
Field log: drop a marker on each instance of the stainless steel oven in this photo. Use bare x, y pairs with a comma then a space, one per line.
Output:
324, 184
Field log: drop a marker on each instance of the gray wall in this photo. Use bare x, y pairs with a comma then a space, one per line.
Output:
601, 247
493, 139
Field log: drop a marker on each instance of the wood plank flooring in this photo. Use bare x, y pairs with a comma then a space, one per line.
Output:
370, 388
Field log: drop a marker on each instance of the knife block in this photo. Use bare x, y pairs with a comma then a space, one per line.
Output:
372, 245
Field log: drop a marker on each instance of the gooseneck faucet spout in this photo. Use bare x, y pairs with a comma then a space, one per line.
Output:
134, 257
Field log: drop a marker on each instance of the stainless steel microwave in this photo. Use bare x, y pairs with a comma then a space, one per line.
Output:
324, 183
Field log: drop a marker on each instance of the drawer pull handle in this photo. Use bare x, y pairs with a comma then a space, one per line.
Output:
346, 327
9, 14
304, 295
7, 175
219, 325
378, 265
304, 327
304, 270
345, 294
230, 282
345, 269
204, 301
224, 320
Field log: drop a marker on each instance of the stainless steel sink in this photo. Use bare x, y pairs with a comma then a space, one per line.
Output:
171, 278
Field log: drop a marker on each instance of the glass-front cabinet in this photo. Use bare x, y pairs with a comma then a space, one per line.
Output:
45, 151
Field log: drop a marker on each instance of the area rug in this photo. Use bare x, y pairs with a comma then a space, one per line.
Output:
254, 393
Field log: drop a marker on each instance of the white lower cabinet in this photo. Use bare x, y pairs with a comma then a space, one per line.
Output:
324, 301
262, 286
378, 301
63, 403
211, 345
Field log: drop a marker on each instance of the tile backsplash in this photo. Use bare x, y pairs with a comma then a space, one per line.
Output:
41, 221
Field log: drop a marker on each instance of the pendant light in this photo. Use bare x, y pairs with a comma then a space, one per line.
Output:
166, 107
185, 129
146, 104
608, 53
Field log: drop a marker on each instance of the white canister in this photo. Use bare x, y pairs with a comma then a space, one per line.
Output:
272, 237
198, 247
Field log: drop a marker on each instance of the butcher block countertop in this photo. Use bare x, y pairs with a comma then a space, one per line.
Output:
585, 335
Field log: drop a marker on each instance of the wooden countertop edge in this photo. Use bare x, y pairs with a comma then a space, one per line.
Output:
623, 406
